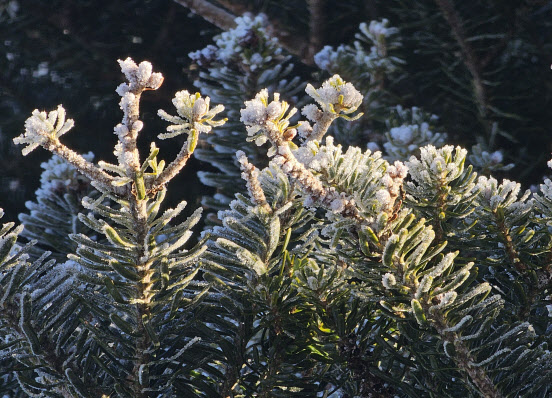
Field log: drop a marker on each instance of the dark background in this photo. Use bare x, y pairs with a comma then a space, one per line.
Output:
65, 52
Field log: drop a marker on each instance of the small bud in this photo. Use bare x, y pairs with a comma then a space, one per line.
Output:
122, 89
199, 109
273, 110
138, 125
155, 81
121, 130
304, 129
143, 73
290, 134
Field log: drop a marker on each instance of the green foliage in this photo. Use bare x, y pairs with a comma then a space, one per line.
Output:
243, 61
336, 271
54, 216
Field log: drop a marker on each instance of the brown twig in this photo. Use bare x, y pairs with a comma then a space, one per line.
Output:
235, 7
470, 58
211, 13
316, 26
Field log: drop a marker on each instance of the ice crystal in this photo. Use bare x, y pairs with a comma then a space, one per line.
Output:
255, 111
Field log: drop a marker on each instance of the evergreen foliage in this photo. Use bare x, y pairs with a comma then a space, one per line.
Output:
336, 273
55, 214
333, 270
243, 61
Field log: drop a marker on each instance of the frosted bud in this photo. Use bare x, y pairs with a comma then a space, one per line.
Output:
42, 127
127, 100
351, 96
128, 67
241, 157
138, 125
398, 170
254, 112
290, 134
388, 280
199, 109
273, 110
143, 72
155, 81
331, 91
121, 130
387, 180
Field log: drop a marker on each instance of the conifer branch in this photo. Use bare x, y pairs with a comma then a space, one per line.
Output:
464, 360
140, 78
251, 175
48, 357
224, 20
470, 58
268, 121
194, 117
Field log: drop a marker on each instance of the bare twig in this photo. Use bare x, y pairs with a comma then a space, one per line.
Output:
210, 12
470, 58
235, 7
316, 26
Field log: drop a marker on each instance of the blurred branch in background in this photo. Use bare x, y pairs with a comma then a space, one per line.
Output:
224, 20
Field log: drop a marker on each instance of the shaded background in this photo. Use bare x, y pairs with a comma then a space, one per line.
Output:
65, 52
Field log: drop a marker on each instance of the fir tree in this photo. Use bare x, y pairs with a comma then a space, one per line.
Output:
335, 274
